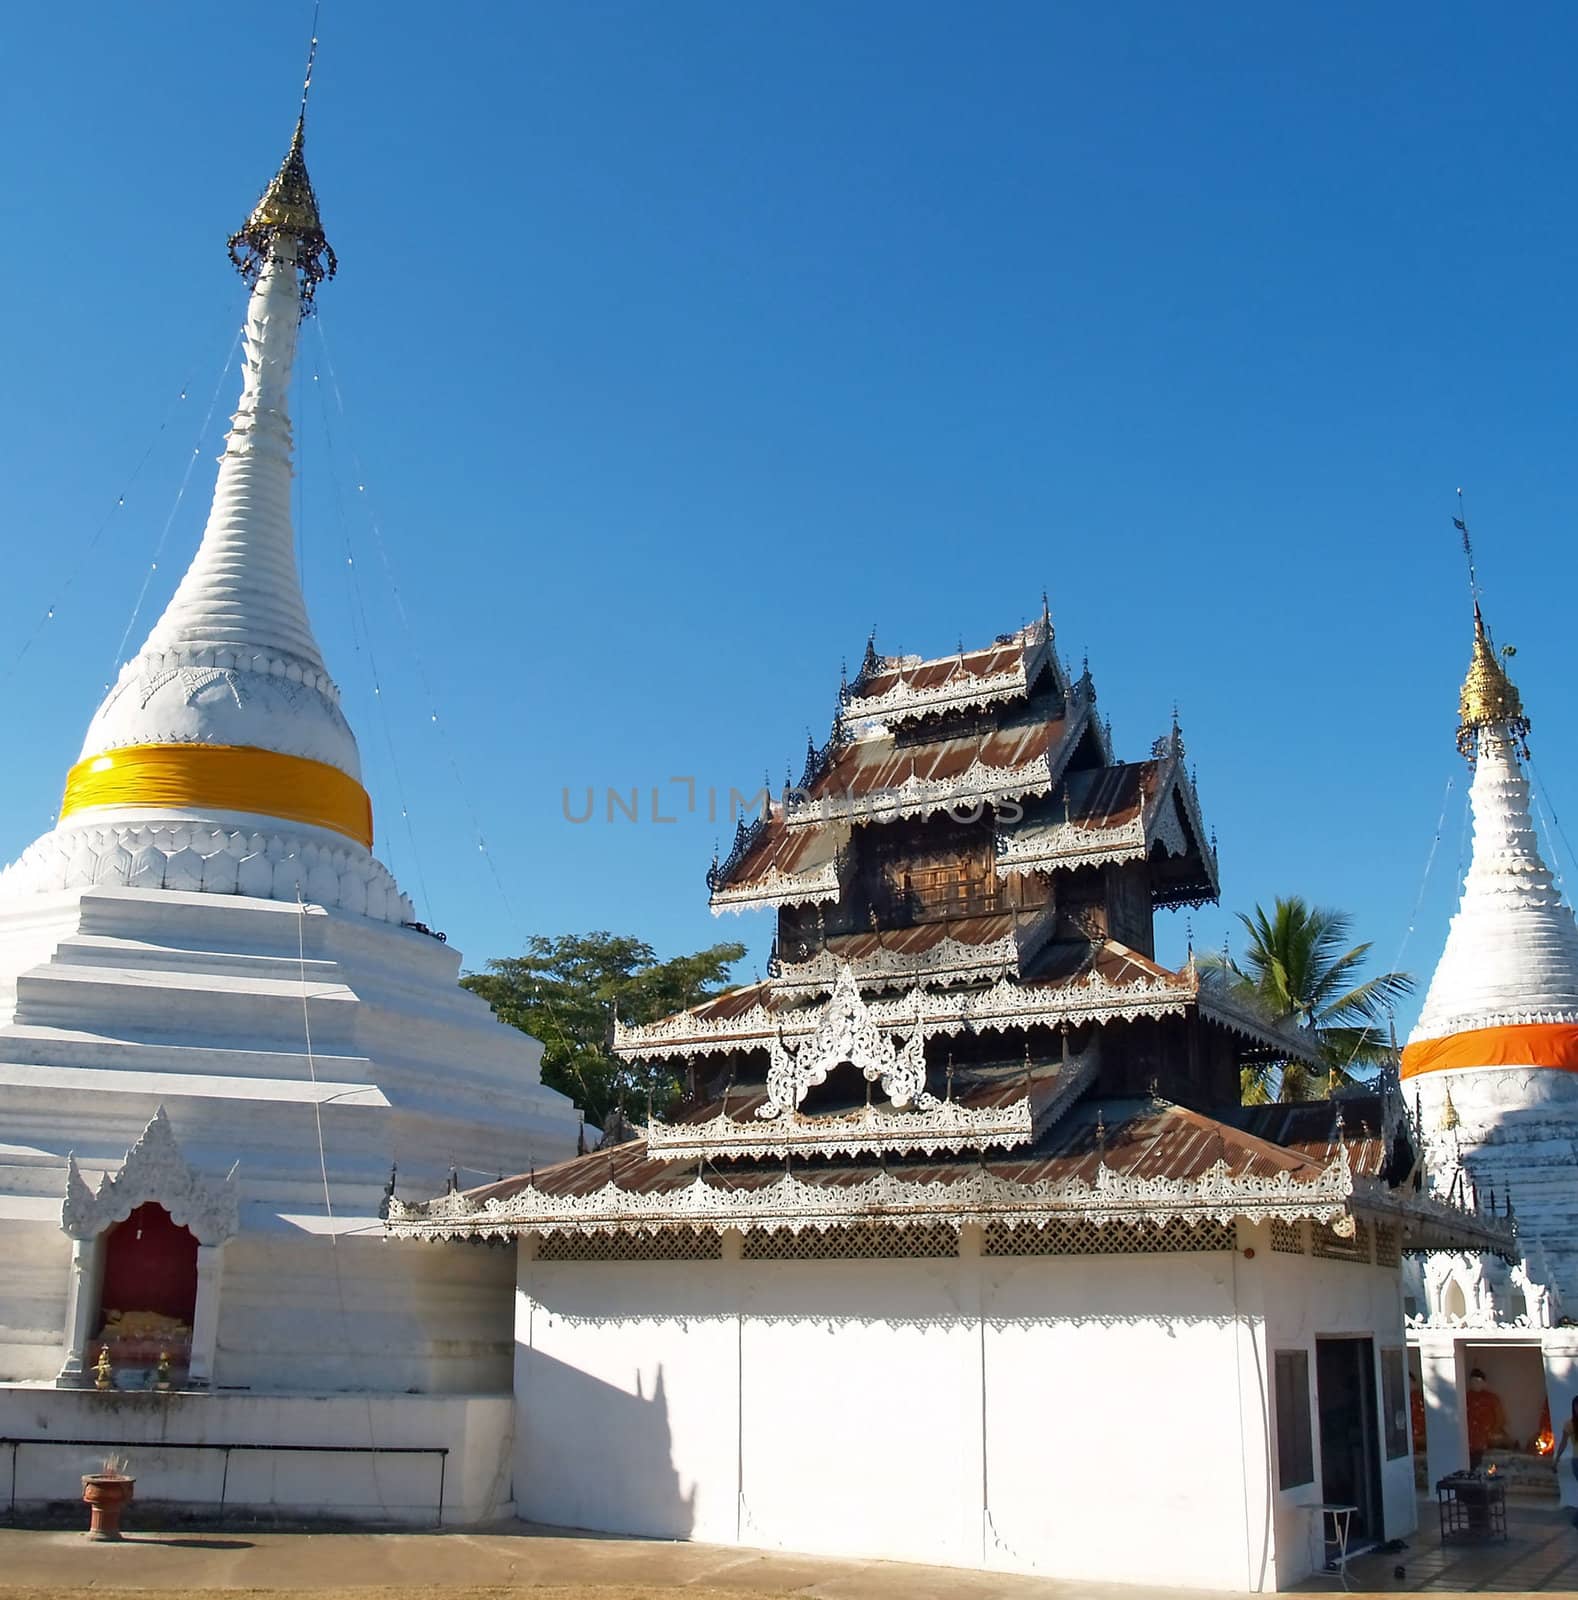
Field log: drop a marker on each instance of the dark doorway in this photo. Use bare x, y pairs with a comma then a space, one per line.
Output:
1350, 1454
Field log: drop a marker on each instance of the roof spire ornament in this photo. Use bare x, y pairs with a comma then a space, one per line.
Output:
1488, 698
288, 210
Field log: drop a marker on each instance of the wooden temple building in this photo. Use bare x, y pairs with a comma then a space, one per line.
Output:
959, 1247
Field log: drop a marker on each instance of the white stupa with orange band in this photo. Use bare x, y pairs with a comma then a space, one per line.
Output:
1498, 1032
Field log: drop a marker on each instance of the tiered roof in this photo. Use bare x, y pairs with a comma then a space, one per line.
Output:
1098, 1173
964, 1020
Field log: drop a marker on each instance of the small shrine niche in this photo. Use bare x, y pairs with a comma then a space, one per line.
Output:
148, 1297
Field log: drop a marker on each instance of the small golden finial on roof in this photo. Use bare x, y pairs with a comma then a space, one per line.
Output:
288, 207
1449, 1116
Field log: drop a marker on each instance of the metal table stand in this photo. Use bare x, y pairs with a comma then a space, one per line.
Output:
1336, 1541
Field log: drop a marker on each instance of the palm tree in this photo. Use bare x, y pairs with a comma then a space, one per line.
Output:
1296, 967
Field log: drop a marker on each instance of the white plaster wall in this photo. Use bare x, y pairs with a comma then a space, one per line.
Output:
35, 1271
1560, 1346
148, 1428
384, 1315
1116, 1422
1024, 1414
860, 1434
1097, 1418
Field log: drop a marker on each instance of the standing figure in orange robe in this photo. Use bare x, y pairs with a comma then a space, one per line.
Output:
1487, 1418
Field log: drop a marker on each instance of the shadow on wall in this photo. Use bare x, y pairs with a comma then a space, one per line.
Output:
563, 1486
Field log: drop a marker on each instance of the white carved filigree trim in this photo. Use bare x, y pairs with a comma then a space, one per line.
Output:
197, 856
948, 961
978, 785
1471, 1022
945, 1126
1485, 1289
775, 888
1006, 1005
845, 1032
154, 1171
981, 1196
151, 667
1038, 846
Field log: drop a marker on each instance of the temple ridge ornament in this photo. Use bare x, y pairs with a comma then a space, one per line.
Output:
948, 961
847, 1032
946, 1125
155, 1170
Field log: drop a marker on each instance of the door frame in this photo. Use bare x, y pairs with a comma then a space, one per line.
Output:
1371, 1500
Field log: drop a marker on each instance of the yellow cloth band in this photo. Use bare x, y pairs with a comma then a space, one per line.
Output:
222, 777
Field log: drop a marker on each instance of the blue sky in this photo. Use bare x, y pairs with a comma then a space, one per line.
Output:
679, 345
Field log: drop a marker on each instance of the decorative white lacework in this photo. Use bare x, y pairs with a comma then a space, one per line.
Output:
945, 1126
948, 961
1039, 846
154, 1171
978, 785
963, 691
775, 888
790, 1203
845, 1032
196, 856
1006, 1005
1077, 1237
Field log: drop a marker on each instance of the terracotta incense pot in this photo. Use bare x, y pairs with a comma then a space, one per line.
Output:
107, 1495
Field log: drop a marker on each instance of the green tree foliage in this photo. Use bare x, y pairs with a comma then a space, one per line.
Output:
1298, 965
566, 991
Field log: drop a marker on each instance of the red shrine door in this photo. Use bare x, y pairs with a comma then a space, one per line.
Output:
150, 1276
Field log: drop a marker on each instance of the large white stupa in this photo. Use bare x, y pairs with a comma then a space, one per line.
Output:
1494, 1057
220, 1027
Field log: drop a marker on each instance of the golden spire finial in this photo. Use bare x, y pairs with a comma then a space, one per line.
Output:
289, 208
1488, 697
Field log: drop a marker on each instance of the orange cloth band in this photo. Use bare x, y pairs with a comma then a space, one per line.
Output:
222, 777
1524, 1044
